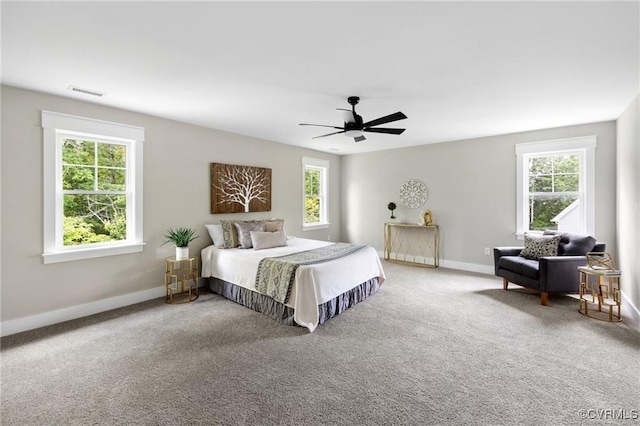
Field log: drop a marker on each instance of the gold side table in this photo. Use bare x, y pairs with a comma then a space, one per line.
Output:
181, 279
600, 300
410, 244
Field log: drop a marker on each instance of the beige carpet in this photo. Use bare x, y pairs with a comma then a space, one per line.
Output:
431, 347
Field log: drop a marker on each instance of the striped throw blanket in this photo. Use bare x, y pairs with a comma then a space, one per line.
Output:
276, 274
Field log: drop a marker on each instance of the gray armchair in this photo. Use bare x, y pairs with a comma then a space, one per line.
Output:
551, 274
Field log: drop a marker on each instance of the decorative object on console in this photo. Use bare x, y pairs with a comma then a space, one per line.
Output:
240, 189
181, 237
413, 193
392, 206
428, 218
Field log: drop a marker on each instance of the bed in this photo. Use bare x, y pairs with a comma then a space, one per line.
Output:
318, 291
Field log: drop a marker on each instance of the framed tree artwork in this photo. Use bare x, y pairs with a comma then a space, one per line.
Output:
240, 189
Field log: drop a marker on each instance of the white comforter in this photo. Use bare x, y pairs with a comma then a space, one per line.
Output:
314, 284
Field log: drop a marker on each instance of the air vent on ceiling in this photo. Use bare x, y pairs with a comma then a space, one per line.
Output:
86, 91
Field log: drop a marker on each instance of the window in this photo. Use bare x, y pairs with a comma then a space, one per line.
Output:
555, 186
92, 188
315, 186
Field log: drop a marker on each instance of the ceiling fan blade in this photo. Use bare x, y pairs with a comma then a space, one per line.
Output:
386, 119
384, 130
347, 115
319, 125
328, 134
359, 138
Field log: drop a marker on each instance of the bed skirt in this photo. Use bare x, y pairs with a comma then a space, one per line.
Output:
284, 314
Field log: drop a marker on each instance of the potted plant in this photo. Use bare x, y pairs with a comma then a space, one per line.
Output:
392, 206
181, 237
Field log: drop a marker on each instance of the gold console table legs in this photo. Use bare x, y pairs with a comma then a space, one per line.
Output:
409, 244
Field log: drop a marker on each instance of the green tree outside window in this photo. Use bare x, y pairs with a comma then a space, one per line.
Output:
554, 183
312, 190
94, 192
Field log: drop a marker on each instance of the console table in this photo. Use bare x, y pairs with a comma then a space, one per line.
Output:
409, 244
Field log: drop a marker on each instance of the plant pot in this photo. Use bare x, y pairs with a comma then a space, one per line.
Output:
182, 253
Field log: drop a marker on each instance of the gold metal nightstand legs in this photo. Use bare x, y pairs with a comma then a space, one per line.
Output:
181, 280
599, 300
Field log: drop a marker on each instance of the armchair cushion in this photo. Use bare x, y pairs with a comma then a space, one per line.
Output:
573, 244
520, 265
536, 247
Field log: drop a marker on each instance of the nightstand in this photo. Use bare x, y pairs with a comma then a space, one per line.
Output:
181, 279
600, 300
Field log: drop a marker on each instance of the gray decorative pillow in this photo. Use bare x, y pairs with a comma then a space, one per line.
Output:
274, 225
244, 232
264, 240
573, 244
579, 245
536, 247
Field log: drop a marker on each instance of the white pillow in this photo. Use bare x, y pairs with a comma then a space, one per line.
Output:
265, 240
215, 232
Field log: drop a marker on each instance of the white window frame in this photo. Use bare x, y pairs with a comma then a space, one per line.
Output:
55, 127
584, 147
323, 166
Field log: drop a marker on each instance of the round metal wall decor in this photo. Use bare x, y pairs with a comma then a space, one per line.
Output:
413, 193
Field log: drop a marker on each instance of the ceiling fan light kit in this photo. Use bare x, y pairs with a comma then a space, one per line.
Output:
354, 126
353, 133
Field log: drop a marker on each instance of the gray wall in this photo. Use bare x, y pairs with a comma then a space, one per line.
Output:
472, 191
176, 193
628, 200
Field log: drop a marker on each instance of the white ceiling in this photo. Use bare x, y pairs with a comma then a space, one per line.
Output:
458, 69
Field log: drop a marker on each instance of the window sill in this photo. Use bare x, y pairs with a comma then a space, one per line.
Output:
520, 235
90, 253
315, 226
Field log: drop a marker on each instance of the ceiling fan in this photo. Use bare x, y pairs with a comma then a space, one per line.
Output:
354, 126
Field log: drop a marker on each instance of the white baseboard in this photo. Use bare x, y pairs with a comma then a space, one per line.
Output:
452, 264
469, 267
630, 312
54, 317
